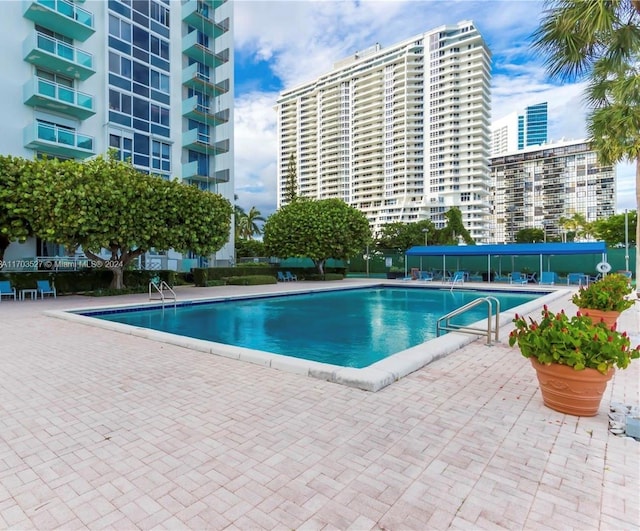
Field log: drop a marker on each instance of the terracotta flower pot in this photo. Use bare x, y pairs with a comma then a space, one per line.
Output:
609, 317
569, 391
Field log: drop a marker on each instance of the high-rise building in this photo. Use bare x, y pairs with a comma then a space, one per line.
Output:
520, 129
401, 133
150, 79
536, 186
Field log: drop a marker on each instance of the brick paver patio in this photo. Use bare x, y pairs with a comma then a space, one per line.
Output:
103, 430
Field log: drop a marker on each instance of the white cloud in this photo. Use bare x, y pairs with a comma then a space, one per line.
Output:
255, 152
303, 39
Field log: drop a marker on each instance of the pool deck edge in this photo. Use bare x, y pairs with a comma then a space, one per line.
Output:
372, 378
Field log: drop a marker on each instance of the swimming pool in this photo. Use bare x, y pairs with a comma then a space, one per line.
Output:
349, 328
371, 378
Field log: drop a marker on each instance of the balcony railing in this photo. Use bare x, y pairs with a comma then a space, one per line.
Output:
53, 54
40, 92
62, 16
58, 140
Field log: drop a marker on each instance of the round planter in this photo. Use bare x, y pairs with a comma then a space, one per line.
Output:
609, 317
569, 391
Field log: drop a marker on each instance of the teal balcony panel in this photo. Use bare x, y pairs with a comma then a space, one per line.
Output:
193, 79
193, 110
191, 48
202, 143
57, 56
191, 173
54, 97
62, 16
58, 141
200, 15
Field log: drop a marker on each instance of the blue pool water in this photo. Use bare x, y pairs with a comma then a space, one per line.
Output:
350, 328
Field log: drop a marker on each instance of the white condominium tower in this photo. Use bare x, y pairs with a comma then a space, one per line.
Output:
401, 133
151, 79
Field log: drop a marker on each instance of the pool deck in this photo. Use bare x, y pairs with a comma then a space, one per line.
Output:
106, 430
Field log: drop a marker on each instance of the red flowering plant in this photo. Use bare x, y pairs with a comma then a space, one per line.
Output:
576, 342
608, 294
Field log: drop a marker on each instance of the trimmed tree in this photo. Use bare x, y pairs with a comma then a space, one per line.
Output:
14, 225
401, 236
107, 204
319, 230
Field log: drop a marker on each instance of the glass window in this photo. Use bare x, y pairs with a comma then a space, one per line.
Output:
159, 115
140, 38
203, 39
119, 65
160, 81
159, 13
140, 108
122, 145
119, 28
141, 143
159, 47
142, 6
119, 102
160, 156
141, 73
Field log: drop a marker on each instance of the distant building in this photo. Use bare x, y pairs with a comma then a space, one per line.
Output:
520, 129
536, 186
401, 133
152, 80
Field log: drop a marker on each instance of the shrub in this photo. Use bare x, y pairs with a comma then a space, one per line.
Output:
326, 276
251, 280
607, 294
200, 276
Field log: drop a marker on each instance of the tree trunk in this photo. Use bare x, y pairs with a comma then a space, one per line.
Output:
320, 265
637, 224
117, 282
4, 243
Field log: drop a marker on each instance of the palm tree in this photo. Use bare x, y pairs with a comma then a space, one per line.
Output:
247, 223
577, 224
239, 216
599, 40
252, 228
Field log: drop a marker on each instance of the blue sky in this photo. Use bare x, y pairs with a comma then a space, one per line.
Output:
281, 44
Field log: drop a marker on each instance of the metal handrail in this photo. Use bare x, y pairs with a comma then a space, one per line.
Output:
160, 288
448, 326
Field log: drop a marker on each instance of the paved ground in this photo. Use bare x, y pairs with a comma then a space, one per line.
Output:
102, 430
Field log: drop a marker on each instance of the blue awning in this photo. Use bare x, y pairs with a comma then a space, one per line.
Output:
511, 249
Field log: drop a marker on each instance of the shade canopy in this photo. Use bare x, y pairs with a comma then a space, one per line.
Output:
511, 249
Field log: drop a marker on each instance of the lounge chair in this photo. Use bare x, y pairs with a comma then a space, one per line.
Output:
517, 278
7, 290
45, 288
500, 278
548, 277
281, 277
475, 277
577, 278
290, 276
457, 278
427, 276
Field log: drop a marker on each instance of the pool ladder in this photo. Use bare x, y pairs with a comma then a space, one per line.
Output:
444, 322
161, 288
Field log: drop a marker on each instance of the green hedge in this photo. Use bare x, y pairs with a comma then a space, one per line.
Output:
326, 276
251, 280
202, 276
87, 279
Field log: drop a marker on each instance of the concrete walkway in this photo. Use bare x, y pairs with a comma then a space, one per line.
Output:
103, 430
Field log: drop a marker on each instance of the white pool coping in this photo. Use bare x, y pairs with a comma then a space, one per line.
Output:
371, 378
